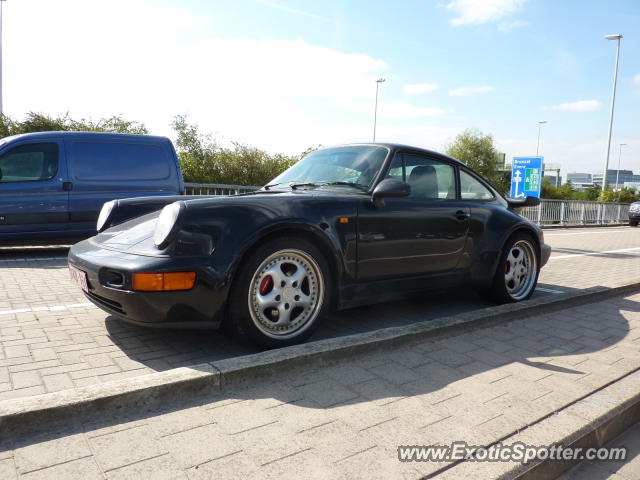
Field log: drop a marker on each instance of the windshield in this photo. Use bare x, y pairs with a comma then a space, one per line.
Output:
351, 166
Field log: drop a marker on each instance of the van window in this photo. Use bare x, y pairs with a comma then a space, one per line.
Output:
29, 163
119, 161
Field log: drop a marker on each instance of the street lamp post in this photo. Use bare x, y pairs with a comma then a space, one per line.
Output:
617, 37
375, 111
619, 160
540, 123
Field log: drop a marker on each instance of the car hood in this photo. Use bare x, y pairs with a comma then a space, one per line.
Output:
136, 235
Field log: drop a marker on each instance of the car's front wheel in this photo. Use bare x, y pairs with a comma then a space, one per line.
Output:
517, 273
281, 293
633, 223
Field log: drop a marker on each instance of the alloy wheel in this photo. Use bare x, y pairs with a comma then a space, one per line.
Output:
520, 269
286, 294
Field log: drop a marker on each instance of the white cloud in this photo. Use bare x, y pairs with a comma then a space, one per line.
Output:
579, 106
636, 79
473, 12
391, 109
420, 88
468, 91
506, 26
294, 11
274, 94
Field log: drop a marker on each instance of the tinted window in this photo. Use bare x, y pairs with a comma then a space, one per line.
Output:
428, 178
472, 189
119, 161
30, 163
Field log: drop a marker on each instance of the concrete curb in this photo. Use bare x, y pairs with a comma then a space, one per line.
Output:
600, 418
590, 422
38, 412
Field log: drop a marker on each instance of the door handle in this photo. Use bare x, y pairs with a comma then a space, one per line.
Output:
462, 215
66, 186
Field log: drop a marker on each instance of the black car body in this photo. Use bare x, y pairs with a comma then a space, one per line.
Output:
376, 242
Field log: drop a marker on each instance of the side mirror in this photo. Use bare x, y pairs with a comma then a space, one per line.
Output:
389, 188
523, 202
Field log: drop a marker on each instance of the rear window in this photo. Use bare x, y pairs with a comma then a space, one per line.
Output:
119, 161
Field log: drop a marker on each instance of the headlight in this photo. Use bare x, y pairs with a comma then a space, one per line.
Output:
166, 224
105, 213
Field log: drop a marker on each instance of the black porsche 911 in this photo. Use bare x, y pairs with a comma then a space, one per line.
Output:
345, 226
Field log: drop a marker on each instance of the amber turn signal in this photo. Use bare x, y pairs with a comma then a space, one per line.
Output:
162, 282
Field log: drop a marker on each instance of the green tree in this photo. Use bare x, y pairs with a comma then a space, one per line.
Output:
204, 160
476, 150
39, 122
625, 195
563, 192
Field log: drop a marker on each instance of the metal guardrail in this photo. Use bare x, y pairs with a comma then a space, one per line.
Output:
576, 212
216, 189
548, 213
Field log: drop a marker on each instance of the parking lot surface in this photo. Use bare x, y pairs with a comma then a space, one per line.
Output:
347, 419
52, 339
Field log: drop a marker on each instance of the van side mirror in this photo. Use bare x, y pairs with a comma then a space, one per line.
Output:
389, 188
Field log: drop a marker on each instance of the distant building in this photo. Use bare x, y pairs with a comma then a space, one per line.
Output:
555, 180
576, 177
623, 176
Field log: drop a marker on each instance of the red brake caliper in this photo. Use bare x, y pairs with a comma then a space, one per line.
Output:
266, 285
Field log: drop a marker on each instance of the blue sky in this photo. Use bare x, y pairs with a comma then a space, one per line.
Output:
284, 75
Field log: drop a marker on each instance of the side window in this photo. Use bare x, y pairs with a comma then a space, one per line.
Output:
396, 169
94, 161
429, 178
29, 163
472, 189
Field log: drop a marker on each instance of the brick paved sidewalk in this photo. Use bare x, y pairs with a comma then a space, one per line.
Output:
347, 420
45, 349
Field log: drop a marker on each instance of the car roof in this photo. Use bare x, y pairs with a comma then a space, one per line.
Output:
400, 147
86, 135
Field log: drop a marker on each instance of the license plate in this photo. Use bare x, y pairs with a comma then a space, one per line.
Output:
79, 277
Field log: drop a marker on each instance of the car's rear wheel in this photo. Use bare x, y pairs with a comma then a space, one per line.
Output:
281, 293
517, 273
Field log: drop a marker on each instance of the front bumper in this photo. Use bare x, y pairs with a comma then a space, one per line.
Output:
545, 253
200, 307
634, 216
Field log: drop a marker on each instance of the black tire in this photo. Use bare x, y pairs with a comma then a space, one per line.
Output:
505, 291
247, 319
633, 223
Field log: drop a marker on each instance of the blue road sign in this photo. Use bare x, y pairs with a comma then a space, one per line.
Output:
526, 177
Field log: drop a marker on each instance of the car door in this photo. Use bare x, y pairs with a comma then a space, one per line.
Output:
32, 187
422, 234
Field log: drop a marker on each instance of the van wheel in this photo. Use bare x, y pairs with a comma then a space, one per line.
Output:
281, 293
